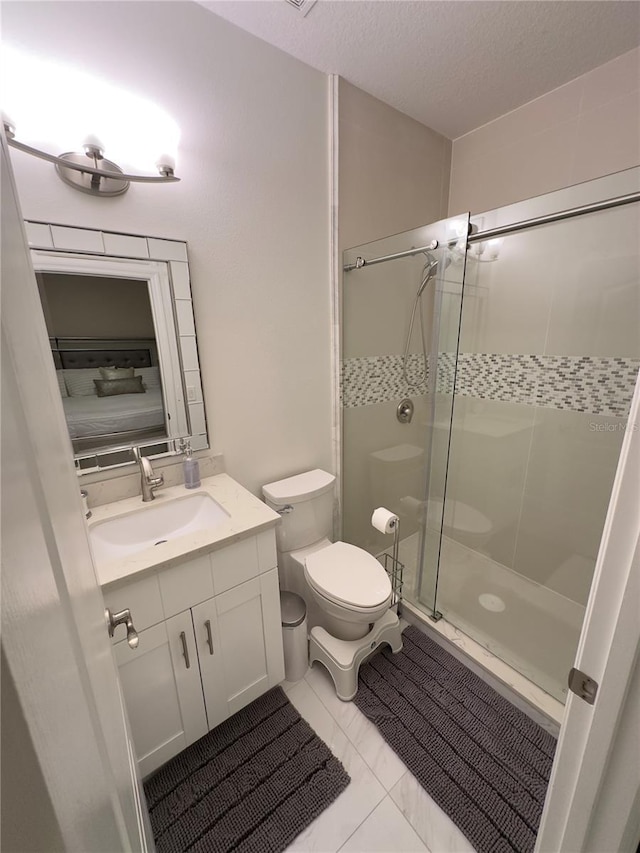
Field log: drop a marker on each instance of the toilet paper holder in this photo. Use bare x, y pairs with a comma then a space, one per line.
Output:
391, 562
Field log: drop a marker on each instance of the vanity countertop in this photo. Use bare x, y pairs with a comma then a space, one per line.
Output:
247, 515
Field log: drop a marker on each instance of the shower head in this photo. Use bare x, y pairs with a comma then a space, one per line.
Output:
430, 269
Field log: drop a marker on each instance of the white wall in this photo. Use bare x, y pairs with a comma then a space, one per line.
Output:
588, 128
252, 204
84, 306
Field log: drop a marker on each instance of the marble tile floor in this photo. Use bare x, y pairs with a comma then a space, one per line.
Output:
384, 809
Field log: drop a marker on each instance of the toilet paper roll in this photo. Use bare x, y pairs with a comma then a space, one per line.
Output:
383, 520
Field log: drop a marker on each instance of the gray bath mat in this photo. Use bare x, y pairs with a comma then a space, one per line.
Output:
484, 762
252, 784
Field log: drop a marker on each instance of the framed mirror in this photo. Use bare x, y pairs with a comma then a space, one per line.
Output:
120, 322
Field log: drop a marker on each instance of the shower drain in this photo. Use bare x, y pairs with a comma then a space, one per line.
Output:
492, 602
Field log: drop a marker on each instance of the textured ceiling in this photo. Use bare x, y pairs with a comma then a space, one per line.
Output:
452, 65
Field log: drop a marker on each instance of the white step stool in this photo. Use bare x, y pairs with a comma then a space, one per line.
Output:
342, 658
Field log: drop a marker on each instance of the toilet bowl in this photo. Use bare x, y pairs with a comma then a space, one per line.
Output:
345, 588
350, 587
347, 591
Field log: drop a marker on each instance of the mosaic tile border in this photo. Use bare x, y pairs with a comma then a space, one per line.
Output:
596, 385
378, 379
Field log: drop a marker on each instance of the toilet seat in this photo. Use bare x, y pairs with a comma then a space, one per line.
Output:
348, 576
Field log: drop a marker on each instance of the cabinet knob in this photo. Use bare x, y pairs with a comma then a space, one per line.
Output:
122, 618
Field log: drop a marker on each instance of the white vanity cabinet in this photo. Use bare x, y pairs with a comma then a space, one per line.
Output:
210, 641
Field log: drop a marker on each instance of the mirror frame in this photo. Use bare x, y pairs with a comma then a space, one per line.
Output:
164, 265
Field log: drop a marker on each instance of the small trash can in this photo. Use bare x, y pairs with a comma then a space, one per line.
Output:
294, 635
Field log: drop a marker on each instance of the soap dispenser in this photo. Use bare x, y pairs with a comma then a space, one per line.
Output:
191, 468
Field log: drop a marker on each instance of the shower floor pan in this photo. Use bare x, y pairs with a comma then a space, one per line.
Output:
528, 626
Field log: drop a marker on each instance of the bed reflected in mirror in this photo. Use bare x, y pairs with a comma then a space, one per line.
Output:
119, 316
104, 348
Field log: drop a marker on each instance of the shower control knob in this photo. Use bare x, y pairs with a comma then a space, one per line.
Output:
404, 412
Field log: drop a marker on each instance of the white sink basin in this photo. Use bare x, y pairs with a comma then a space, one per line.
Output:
153, 526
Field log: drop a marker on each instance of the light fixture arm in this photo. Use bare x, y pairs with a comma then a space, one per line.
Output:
91, 170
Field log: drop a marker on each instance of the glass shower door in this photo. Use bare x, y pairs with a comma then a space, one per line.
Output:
548, 360
443, 367
384, 456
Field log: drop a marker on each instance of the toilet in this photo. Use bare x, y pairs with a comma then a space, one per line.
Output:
347, 591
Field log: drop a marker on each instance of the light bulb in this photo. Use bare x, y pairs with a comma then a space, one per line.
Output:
166, 164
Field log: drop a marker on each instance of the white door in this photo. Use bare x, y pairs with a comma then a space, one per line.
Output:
55, 644
593, 802
162, 694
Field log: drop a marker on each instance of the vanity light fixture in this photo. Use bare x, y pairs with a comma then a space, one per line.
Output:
89, 171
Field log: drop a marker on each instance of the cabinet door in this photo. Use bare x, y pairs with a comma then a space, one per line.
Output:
163, 696
249, 636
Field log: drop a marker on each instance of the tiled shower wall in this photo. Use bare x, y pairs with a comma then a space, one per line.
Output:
534, 447
596, 385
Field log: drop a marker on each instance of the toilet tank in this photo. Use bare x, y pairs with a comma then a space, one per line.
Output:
311, 519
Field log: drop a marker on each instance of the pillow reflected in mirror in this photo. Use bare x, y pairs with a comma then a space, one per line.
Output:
79, 380
116, 372
150, 376
114, 387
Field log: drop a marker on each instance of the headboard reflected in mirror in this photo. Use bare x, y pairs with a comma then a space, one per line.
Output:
120, 322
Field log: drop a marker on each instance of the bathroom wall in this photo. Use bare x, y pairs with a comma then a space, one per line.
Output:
78, 306
252, 205
393, 171
585, 129
393, 176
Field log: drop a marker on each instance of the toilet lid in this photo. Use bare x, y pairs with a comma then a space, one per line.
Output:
348, 575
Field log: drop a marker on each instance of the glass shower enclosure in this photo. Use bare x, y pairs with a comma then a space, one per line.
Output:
520, 393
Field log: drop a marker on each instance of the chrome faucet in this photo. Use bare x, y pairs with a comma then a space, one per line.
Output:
148, 481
